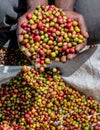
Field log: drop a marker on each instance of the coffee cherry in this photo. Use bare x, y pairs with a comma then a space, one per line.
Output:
24, 24
40, 25
74, 23
71, 50
37, 38
69, 25
96, 127
47, 61
69, 20
28, 16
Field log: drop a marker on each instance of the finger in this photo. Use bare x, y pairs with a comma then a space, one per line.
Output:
19, 35
20, 38
21, 20
19, 28
70, 56
80, 19
79, 47
83, 26
27, 53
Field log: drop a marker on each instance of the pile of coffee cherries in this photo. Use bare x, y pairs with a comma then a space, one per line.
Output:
2, 55
49, 35
13, 56
43, 101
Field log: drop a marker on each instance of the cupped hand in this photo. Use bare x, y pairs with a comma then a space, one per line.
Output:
20, 30
71, 14
20, 21
78, 17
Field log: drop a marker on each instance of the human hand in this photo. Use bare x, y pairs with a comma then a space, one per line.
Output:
78, 17
20, 30
65, 67
21, 20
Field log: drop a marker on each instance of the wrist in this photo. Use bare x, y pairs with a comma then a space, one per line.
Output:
68, 9
65, 4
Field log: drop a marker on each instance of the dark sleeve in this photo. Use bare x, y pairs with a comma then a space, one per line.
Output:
90, 9
10, 10
51, 2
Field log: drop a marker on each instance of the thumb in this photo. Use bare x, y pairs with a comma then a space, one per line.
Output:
23, 20
83, 27
20, 29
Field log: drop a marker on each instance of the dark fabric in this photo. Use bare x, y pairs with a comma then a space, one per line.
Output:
51, 2
8, 39
10, 10
91, 12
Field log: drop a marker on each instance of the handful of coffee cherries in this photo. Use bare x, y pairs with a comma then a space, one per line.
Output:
49, 35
